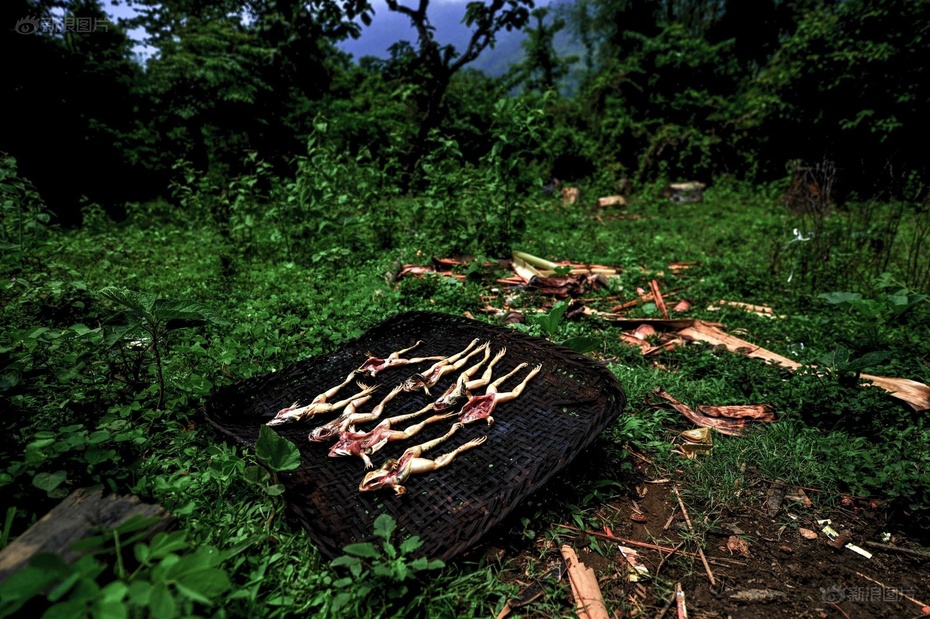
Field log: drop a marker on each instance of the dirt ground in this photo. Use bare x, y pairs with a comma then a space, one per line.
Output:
762, 565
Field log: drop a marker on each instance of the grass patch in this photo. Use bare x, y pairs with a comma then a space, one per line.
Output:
86, 400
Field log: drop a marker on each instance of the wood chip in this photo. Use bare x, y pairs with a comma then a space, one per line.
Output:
774, 498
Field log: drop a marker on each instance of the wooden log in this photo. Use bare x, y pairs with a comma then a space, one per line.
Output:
81, 514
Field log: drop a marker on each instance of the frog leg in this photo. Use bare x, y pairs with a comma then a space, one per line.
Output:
457, 356
396, 355
325, 407
375, 413
417, 450
424, 465
331, 392
399, 435
486, 377
492, 388
516, 391
340, 423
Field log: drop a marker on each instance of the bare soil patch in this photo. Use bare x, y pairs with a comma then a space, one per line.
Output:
762, 565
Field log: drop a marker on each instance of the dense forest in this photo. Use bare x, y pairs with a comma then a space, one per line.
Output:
246, 195
664, 90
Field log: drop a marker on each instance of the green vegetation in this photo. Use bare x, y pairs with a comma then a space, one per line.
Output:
240, 204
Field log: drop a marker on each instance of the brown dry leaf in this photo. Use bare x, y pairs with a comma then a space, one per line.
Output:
632, 340
643, 331
682, 306
732, 427
759, 412
799, 495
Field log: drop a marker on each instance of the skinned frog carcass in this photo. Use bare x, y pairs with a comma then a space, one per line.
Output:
430, 377
393, 473
373, 364
350, 417
481, 406
363, 444
461, 389
319, 404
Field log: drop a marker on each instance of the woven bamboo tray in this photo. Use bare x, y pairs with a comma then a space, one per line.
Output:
557, 416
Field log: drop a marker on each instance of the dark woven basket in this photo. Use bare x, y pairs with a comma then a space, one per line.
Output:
558, 415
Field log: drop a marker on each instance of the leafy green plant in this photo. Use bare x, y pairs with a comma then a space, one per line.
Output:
278, 454
550, 320
379, 569
846, 368
168, 577
23, 216
155, 318
549, 323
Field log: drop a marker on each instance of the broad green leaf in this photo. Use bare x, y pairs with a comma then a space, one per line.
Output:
140, 592
410, 544
363, 549
275, 490
582, 344
126, 298
276, 451
109, 609
256, 475
114, 592
161, 603
98, 437
384, 526
164, 544
203, 585
867, 360
49, 481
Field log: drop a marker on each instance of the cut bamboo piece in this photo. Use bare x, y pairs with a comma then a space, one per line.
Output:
589, 603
